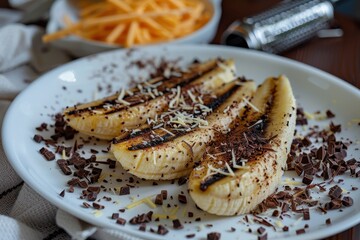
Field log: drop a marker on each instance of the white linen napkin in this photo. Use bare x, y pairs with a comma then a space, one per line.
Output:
23, 57
23, 213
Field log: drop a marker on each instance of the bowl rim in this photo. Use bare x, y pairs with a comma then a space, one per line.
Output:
53, 25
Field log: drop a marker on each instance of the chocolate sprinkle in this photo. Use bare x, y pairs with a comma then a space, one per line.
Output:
347, 201
162, 230
98, 206
125, 190
159, 199
263, 237
177, 224
164, 194
335, 192
182, 198
190, 235
38, 138
142, 227
261, 230
306, 214
62, 194
213, 236
115, 216
48, 155
121, 221
300, 231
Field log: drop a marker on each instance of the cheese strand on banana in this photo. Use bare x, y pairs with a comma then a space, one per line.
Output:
243, 167
171, 151
117, 115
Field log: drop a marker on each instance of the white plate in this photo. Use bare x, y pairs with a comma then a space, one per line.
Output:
314, 90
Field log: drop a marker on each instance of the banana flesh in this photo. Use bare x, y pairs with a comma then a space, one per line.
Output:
243, 167
171, 156
117, 115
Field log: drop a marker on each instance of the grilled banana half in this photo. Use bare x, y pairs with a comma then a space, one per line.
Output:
178, 137
243, 167
117, 115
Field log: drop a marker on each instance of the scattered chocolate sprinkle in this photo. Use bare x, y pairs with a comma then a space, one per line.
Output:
333, 204
92, 196
306, 214
177, 224
93, 189
213, 236
335, 192
182, 198
300, 117
335, 128
65, 168
190, 235
125, 190
263, 237
115, 216
261, 230
86, 205
48, 155
38, 138
307, 179
164, 194
182, 181
98, 206
347, 201
190, 214
159, 199
285, 228
62, 194
300, 231
121, 221
162, 230
329, 114
142, 227
328, 221
83, 184
232, 229
276, 213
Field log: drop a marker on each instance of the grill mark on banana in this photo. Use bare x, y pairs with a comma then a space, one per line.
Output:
108, 118
138, 97
214, 104
176, 157
221, 187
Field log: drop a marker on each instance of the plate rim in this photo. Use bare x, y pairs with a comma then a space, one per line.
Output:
12, 159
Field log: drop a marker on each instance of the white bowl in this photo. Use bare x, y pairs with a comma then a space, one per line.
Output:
80, 47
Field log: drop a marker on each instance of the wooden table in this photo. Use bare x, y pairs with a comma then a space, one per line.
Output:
338, 56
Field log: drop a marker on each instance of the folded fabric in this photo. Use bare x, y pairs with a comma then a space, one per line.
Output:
23, 57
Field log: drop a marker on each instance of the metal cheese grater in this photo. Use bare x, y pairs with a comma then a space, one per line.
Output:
288, 24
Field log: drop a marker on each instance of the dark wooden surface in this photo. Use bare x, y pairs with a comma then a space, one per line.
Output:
338, 56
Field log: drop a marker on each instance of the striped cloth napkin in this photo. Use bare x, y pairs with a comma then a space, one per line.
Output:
23, 213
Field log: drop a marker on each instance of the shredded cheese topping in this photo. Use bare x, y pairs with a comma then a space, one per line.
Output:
251, 105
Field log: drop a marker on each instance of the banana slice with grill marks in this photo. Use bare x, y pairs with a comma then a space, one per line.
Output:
116, 115
179, 137
243, 167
